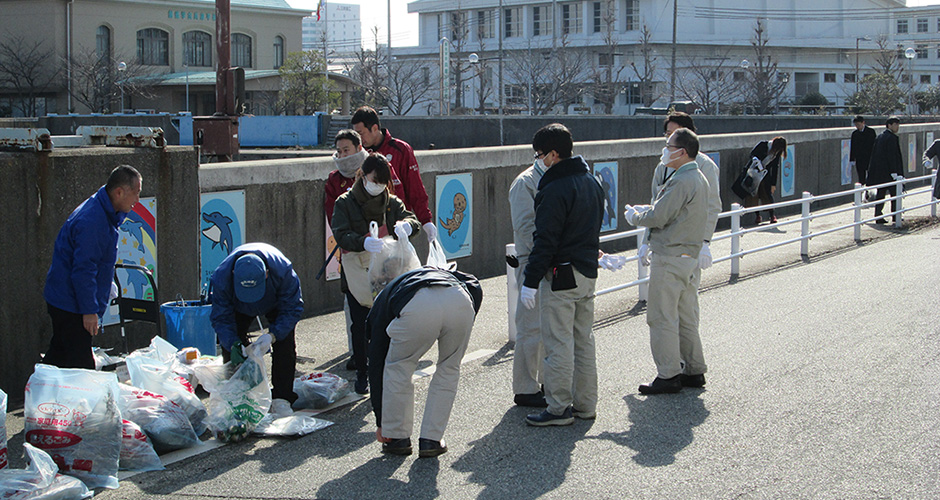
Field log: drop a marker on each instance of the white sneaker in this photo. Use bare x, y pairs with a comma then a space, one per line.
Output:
280, 408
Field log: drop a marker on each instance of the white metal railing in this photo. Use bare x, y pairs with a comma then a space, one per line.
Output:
737, 211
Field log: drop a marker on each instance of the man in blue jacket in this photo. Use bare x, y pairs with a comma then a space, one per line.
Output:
257, 279
562, 269
78, 284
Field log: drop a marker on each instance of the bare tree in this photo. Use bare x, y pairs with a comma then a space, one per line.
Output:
646, 74
708, 82
888, 58
485, 89
367, 70
97, 83
556, 77
409, 85
605, 73
459, 35
764, 84
304, 87
28, 70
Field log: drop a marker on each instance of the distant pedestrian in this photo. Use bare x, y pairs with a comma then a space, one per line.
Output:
886, 165
769, 153
932, 152
78, 284
677, 222
863, 140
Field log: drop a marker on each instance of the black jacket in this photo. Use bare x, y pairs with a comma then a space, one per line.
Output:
388, 305
773, 168
568, 210
862, 143
885, 159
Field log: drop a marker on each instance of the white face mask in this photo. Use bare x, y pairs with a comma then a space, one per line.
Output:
374, 188
541, 164
667, 157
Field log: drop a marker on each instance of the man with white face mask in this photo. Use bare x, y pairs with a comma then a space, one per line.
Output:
677, 224
348, 157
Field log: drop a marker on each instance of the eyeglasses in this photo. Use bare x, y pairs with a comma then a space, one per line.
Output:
536, 156
673, 146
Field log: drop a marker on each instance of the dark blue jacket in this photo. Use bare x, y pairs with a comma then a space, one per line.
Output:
388, 305
82, 269
568, 210
886, 159
282, 294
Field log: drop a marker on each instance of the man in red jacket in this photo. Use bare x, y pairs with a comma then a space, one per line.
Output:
405, 174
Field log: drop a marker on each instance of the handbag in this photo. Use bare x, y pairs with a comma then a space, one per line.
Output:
749, 180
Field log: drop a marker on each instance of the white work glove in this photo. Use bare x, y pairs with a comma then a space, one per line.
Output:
402, 230
373, 245
644, 254
928, 163
897, 177
630, 214
611, 262
431, 230
114, 292
263, 343
527, 295
705, 257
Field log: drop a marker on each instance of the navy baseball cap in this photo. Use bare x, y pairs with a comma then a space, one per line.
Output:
249, 277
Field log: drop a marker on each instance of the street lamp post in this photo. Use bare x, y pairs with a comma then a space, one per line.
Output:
858, 39
121, 67
186, 65
910, 54
745, 64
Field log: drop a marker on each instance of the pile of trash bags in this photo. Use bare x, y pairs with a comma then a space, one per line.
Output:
83, 426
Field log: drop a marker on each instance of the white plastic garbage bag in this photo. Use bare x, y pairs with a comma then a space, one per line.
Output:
164, 421
3, 430
40, 480
319, 389
136, 450
293, 425
151, 369
72, 414
238, 403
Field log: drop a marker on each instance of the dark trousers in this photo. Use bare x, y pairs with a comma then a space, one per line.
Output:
765, 196
360, 337
862, 171
880, 195
283, 356
936, 185
70, 346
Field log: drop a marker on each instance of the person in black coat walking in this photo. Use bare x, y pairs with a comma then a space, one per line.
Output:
933, 152
769, 154
886, 164
863, 140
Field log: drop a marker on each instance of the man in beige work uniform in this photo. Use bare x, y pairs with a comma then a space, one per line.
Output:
677, 221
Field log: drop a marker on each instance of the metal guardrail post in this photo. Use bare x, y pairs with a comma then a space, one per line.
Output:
804, 225
735, 239
643, 289
898, 190
933, 186
512, 293
858, 213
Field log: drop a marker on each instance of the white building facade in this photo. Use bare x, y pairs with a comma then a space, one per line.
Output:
343, 29
823, 46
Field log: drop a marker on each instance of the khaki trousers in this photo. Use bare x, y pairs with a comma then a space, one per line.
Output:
672, 314
570, 366
439, 313
527, 353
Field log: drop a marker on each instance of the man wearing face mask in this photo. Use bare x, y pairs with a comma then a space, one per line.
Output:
562, 269
348, 157
677, 221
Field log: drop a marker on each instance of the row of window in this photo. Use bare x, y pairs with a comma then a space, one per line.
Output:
153, 48
482, 23
921, 24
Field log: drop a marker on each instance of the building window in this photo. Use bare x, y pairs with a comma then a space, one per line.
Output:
829, 77
848, 78
241, 50
922, 25
631, 15
103, 43
197, 48
153, 47
515, 95
598, 18
458, 25
906, 78
425, 75
541, 20
512, 24
925, 79
739, 76
484, 24
605, 59
921, 51
902, 26
571, 18
278, 52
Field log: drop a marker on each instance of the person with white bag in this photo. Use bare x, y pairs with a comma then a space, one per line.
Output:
369, 200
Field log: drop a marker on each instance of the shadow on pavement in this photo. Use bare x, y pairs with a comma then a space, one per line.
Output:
661, 426
530, 466
377, 473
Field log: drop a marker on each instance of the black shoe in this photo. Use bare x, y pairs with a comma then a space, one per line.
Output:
881, 221
351, 364
545, 418
362, 384
534, 400
662, 386
696, 381
397, 447
429, 448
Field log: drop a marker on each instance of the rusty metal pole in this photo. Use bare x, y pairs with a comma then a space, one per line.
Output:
223, 49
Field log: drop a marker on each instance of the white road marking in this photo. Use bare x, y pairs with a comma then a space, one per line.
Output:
473, 356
